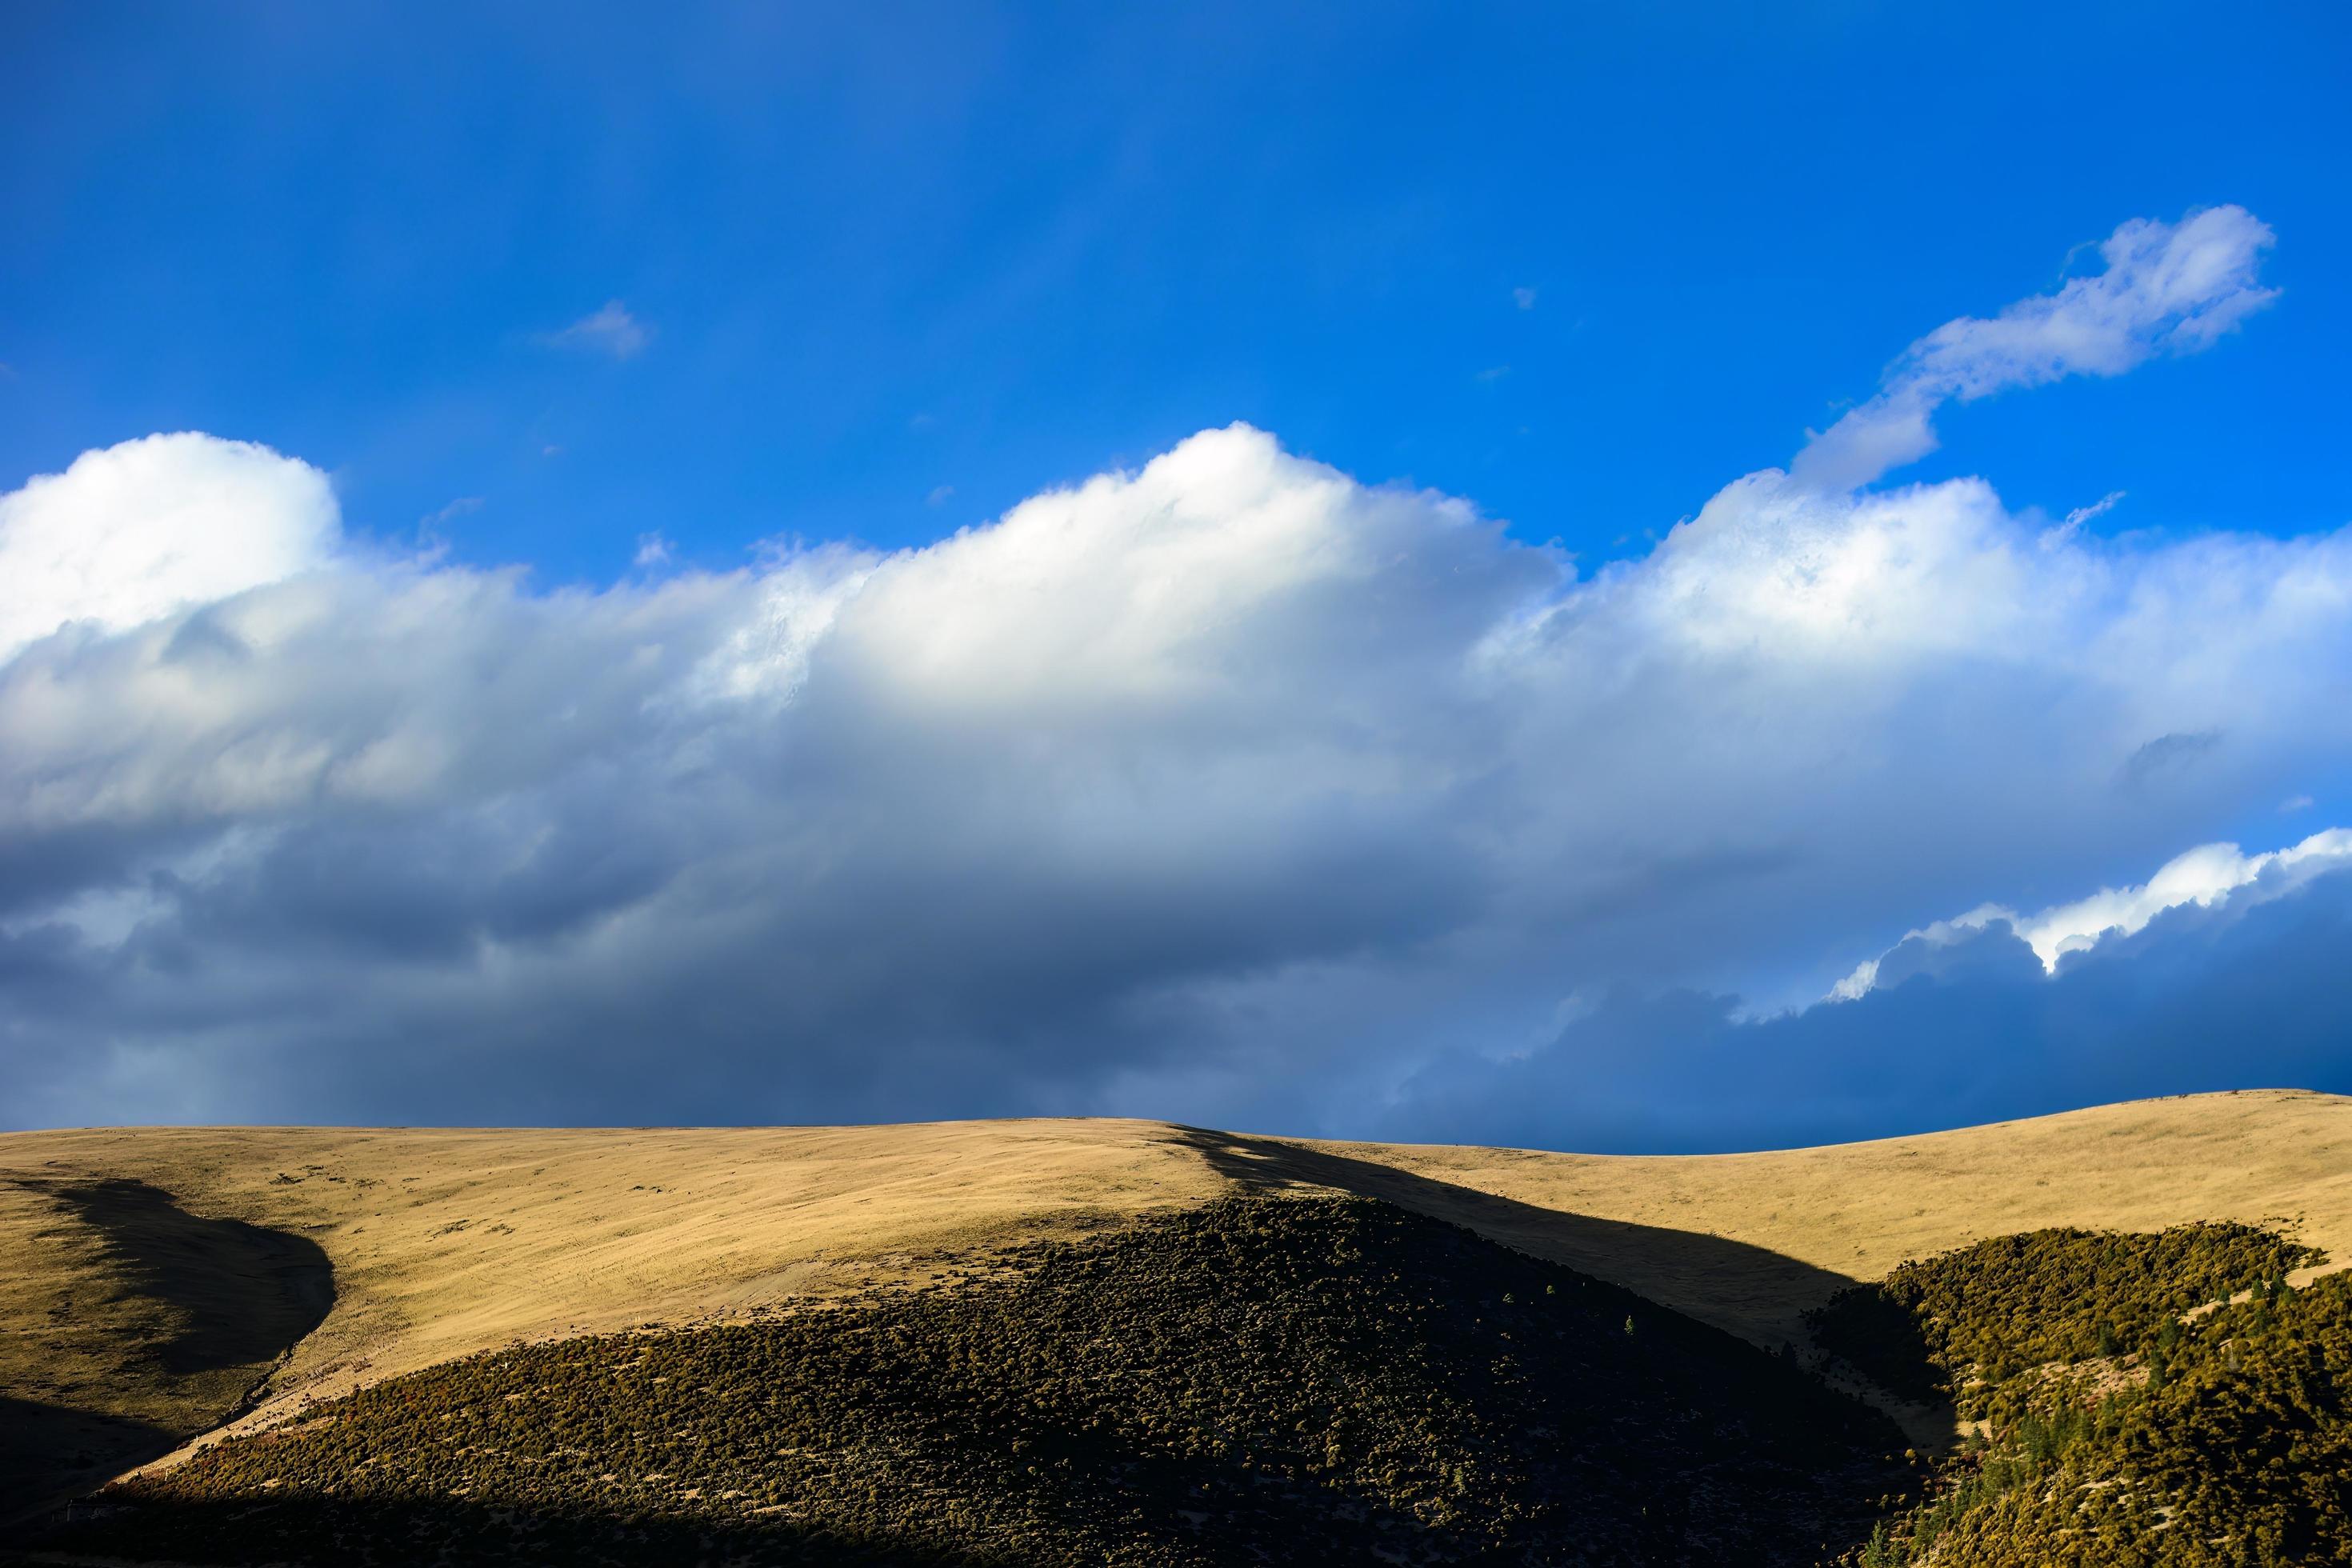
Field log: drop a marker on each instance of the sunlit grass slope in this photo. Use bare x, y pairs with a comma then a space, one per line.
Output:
446, 1242
1857, 1210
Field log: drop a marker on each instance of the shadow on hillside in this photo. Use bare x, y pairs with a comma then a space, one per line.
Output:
228, 1300
47, 1451
1751, 1290
240, 1295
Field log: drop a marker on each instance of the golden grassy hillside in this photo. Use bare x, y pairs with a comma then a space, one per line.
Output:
446, 1242
158, 1277
1791, 1224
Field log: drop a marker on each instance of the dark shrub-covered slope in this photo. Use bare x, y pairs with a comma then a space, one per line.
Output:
2119, 1429
1274, 1378
1969, 1318
2230, 1447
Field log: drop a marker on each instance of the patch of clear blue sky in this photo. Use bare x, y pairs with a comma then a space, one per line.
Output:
885, 250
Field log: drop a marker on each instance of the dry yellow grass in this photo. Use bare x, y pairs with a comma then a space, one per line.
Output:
446, 1242
1856, 1210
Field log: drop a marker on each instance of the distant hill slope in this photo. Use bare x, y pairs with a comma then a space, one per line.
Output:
1306, 1380
444, 1243
1854, 1211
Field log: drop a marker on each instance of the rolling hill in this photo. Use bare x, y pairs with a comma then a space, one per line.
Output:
173, 1279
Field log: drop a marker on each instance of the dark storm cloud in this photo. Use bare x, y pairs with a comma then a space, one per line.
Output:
2164, 754
1955, 1034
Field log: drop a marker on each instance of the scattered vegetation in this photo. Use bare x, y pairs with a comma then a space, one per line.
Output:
1966, 1322
2118, 1424
1268, 1379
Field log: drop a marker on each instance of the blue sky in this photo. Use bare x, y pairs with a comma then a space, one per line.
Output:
885, 252
550, 683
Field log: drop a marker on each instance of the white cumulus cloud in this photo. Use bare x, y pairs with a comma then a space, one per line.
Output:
2207, 875
129, 533
1230, 787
